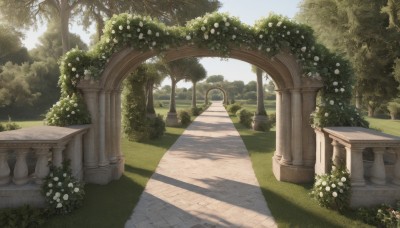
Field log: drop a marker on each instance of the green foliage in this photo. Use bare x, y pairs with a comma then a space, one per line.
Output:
62, 192
381, 216
196, 111
68, 111
184, 117
333, 190
156, 127
233, 108
272, 119
394, 108
22, 217
9, 126
215, 79
245, 117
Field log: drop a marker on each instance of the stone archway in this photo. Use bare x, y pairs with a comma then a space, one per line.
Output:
225, 101
284, 49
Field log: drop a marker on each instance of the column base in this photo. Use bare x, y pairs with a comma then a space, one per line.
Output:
291, 173
260, 123
100, 175
118, 168
172, 120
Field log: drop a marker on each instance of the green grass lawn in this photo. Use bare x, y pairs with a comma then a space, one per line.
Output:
289, 203
385, 125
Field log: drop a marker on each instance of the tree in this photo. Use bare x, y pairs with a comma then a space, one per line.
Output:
237, 88
215, 79
251, 86
359, 31
196, 74
153, 76
11, 48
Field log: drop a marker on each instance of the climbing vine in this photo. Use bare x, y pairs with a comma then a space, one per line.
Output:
220, 32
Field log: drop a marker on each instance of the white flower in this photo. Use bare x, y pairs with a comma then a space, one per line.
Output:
205, 21
76, 189
120, 27
321, 194
128, 27
73, 112
340, 183
316, 58
58, 200
334, 194
188, 37
342, 90
343, 179
65, 197
113, 31
56, 178
70, 185
331, 102
323, 183
64, 174
212, 31
288, 33
233, 37
138, 30
149, 32
333, 185
48, 193
69, 64
75, 105
336, 90
57, 195
140, 36
328, 188
73, 69
318, 183
157, 34
261, 36
59, 183
77, 59
77, 75
340, 190
227, 24
206, 36
216, 25
335, 83
303, 49
279, 23
141, 24
115, 40
337, 71
302, 37
59, 205
154, 43
270, 24
203, 28
337, 64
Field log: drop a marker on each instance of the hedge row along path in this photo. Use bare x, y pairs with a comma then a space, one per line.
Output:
205, 179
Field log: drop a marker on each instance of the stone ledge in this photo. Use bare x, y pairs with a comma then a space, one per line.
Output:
12, 196
292, 173
372, 195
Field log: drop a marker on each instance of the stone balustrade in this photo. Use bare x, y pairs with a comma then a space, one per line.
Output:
371, 157
25, 155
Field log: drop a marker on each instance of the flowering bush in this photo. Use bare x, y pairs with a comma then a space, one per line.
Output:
68, 111
63, 193
332, 190
381, 216
220, 32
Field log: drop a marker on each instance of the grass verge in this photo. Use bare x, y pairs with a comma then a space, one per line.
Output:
289, 203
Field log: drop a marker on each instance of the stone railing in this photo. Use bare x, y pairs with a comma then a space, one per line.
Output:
25, 155
371, 157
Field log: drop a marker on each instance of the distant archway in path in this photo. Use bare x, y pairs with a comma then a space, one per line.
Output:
225, 100
282, 48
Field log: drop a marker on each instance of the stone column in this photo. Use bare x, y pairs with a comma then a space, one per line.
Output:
21, 168
297, 125
75, 154
58, 155
4, 168
378, 173
118, 124
91, 137
286, 143
354, 163
278, 126
107, 126
308, 133
396, 179
41, 169
113, 131
103, 160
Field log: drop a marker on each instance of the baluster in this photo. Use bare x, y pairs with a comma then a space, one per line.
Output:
4, 168
378, 173
336, 157
57, 155
42, 168
354, 163
21, 168
396, 179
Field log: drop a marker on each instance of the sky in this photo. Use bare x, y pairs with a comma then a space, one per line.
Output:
248, 11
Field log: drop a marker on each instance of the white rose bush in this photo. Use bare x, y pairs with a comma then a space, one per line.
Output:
219, 33
63, 193
333, 190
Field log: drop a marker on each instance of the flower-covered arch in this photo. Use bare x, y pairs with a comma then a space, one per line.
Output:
91, 81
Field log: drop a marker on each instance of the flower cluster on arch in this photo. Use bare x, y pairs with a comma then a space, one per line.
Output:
219, 32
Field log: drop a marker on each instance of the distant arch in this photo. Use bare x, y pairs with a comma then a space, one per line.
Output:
225, 100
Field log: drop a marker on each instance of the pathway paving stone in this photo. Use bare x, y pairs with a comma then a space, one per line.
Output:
204, 180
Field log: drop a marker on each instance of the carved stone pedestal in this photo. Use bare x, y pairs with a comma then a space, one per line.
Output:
172, 120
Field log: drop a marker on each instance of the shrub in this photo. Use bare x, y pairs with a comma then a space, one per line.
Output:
245, 117
9, 126
333, 190
233, 108
272, 119
22, 217
159, 104
62, 192
394, 109
156, 127
196, 111
264, 126
184, 117
381, 216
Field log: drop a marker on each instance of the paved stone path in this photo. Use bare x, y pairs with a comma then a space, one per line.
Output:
205, 180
